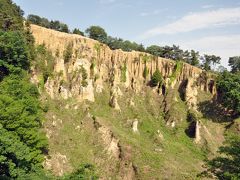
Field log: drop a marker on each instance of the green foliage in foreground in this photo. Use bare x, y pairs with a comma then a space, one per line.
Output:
227, 166
22, 142
10, 16
14, 49
85, 171
228, 86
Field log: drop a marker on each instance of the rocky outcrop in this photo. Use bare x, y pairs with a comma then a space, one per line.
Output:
121, 156
135, 126
58, 164
115, 67
191, 93
197, 132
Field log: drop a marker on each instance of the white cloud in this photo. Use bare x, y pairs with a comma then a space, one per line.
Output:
224, 46
195, 21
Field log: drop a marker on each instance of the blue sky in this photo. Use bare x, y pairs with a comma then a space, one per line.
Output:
209, 26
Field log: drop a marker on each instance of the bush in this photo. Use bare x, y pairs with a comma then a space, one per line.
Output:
156, 78
85, 171
44, 62
84, 74
227, 164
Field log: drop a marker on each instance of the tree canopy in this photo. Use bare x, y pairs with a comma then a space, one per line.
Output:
209, 60
10, 16
97, 33
44, 22
234, 63
77, 31
228, 86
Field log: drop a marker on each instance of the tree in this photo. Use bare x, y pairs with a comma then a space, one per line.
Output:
64, 28
97, 33
228, 87
194, 59
55, 25
234, 63
22, 142
34, 19
221, 69
156, 78
77, 31
154, 50
208, 60
14, 49
10, 16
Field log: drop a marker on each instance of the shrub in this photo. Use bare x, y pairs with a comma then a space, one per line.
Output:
123, 73
86, 171
156, 78
84, 74
145, 72
67, 54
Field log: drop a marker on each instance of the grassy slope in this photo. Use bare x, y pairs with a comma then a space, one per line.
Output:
180, 157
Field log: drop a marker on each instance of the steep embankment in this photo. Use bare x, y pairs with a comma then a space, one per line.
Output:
127, 128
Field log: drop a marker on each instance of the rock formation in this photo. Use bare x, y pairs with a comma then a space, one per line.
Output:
114, 67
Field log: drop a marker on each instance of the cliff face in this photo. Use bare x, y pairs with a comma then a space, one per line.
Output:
131, 70
85, 69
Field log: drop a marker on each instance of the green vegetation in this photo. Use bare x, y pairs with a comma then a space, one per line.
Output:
68, 52
93, 64
84, 74
145, 59
228, 87
77, 31
10, 16
14, 50
209, 60
21, 120
145, 72
123, 72
175, 53
227, 165
157, 78
85, 171
176, 72
97, 48
155, 151
44, 62
44, 22
97, 33
23, 142
234, 63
